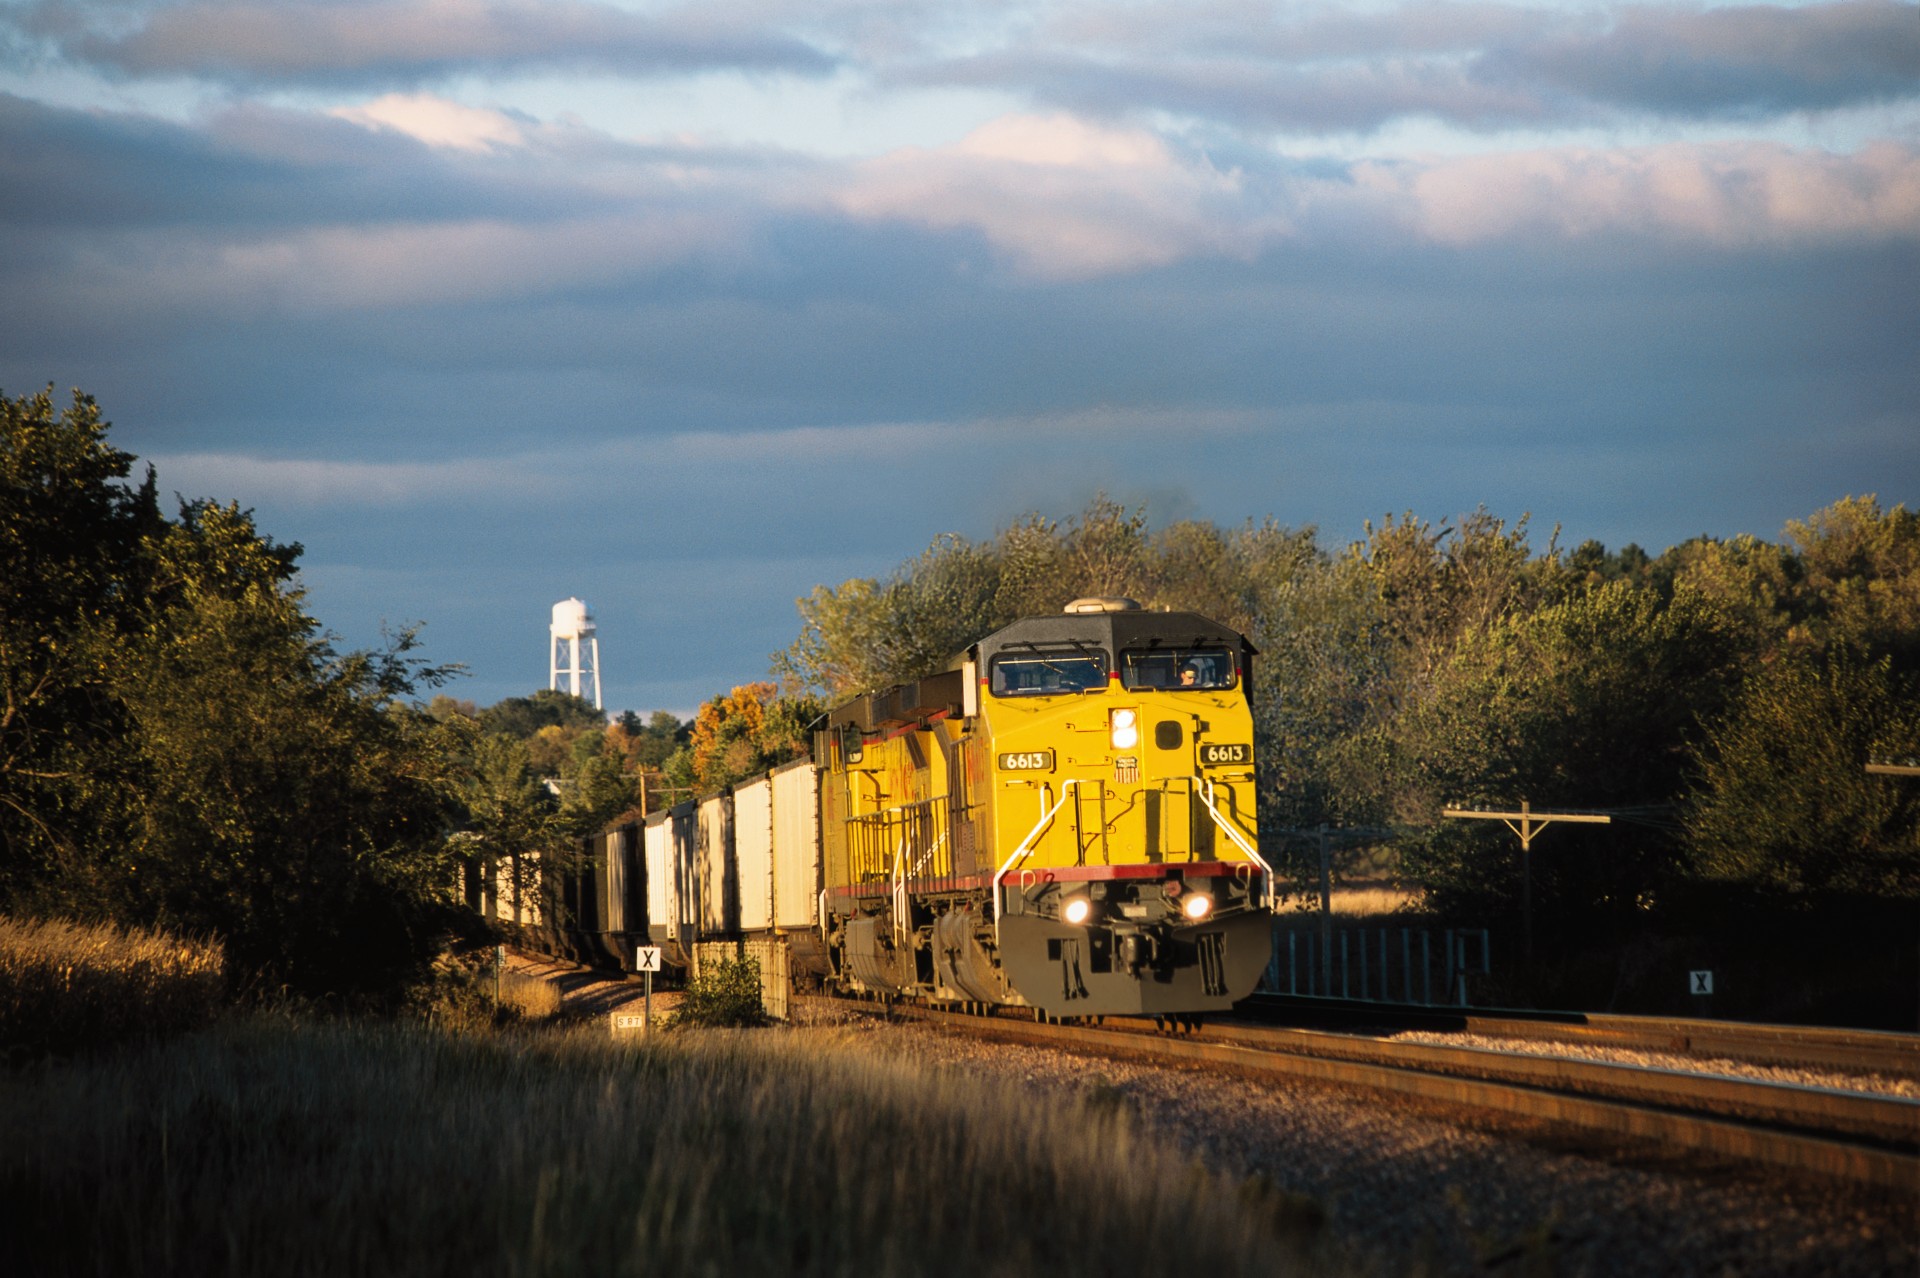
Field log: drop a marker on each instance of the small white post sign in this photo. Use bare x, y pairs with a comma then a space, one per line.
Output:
646, 959
1700, 982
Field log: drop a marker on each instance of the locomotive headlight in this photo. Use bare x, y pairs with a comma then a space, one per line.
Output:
1076, 910
1125, 729
1197, 906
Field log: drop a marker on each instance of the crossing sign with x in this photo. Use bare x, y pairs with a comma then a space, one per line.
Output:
1700, 982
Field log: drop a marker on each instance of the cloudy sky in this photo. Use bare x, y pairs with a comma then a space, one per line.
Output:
687, 308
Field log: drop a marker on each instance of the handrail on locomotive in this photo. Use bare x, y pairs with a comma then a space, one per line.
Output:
1203, 791
1024, 850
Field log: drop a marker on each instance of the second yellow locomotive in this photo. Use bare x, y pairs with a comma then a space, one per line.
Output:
1064, 819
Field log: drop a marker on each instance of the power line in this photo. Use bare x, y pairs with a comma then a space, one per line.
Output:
1528, 823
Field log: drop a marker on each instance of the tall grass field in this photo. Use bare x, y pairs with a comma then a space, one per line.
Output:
273, 1147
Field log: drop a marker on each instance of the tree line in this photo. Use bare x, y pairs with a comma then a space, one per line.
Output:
181, 744
1720, 700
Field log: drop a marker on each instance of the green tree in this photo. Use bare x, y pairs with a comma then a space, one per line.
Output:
507, 809
1754, 583
1593, 702
179, 746
1785, 807
1860, 578
72, 581
1357, 644
598, 785
650, 743
545, 707
864, 635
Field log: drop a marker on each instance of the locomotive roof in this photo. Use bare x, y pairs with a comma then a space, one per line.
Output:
1115, 631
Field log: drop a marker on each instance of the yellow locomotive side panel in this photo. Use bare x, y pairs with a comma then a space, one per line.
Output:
892, 761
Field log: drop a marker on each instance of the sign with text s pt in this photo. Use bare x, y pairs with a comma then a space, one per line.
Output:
646, 958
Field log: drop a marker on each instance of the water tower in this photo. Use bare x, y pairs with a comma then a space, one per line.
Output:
576, 647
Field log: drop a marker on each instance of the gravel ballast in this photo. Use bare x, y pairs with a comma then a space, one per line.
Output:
1798, 1076
1410, 1186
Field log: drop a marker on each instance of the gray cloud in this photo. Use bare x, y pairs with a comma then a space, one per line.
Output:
1477, 65
401, 42
478, 362
1739, 61
257, 166
1243, 63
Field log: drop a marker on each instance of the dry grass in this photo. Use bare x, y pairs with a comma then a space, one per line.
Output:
70, 986
282, 1149
465, 995
532, 997
1374, 902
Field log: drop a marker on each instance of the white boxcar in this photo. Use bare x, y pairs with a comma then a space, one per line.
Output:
753, 852
719, 887
615, 851
671, 883
796, 846
516, 889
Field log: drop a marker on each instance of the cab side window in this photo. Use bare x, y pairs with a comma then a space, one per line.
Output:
1174, 669
1047, 674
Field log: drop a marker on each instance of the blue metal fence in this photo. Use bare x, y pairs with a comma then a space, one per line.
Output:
1378, 964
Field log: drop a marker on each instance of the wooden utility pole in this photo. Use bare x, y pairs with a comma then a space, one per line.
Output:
1326, 915
1526, 823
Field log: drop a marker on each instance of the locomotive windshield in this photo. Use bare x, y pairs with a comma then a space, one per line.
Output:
1048, 674
1177, 668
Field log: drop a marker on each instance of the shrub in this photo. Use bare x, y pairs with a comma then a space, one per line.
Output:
465, 994
727, 993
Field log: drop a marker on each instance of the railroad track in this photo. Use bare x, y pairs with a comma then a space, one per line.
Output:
1872, 1139
1845, 1050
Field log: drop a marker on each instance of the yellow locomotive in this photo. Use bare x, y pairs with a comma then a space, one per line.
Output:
1064, 819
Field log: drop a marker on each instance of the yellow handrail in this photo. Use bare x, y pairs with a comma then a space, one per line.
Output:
1205, 791
1025, 850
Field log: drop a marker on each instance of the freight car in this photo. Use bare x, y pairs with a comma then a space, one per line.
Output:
1063, 819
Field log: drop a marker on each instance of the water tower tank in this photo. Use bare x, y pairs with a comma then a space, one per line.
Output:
574, 647
572, 619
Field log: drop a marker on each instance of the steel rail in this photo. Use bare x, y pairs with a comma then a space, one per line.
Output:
1846, 1050
1870, 1115
1760, 1122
